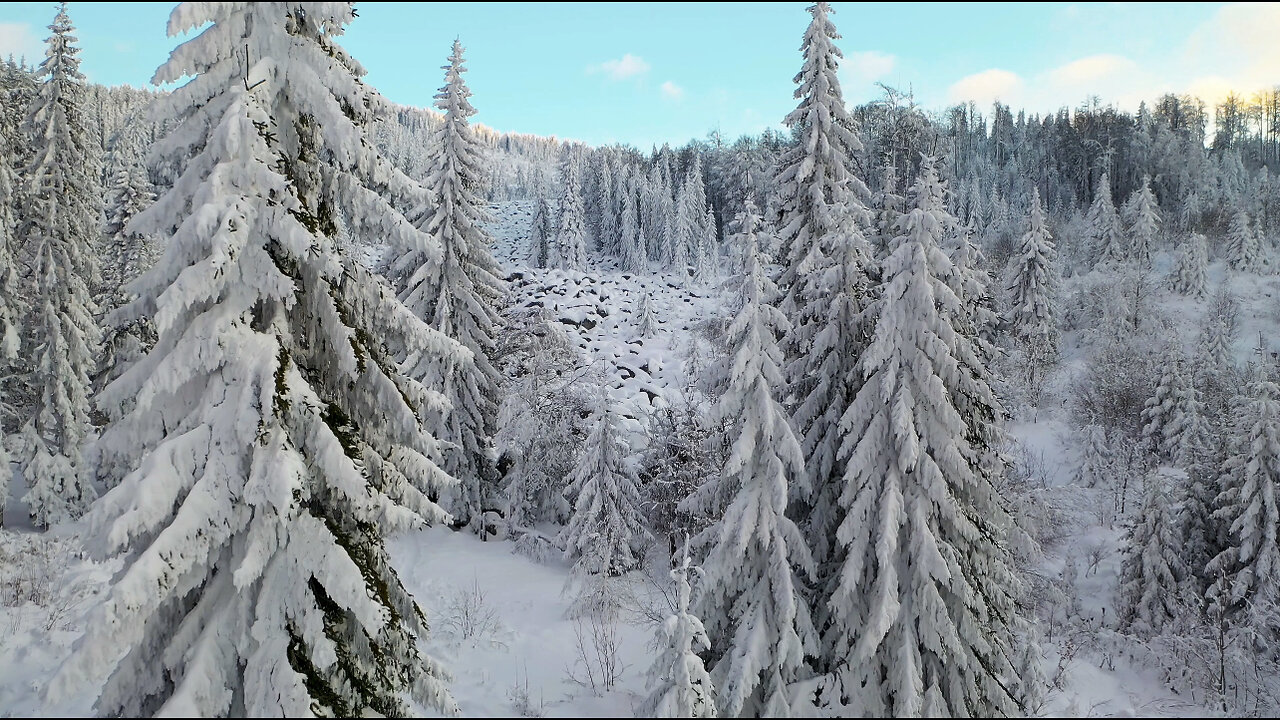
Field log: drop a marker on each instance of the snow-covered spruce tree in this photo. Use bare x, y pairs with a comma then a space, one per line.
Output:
1144, 223
125, 254
606, 533
1105, 233
746, 225
1160, 430
1152, 569
633, 257
1035, 288
838, 296
1094, 469
541, 235
604, 202
12, 306
570, 247
277, 441
1193, 264
972, 284
826, 281
459, 293
749, 598
706, 255
1247, 571
61, 204
688, 222
924, 602
646, 318
813, 176
679, 685
1243, 247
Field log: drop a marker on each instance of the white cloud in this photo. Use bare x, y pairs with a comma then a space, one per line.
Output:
860, 69
1233, 51
671, 91
1239, 46
17, 39
986, 87
625, 67
1091, 70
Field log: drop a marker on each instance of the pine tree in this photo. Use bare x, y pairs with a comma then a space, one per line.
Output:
1152, 568
1159, 427
1243, 248
746, 224
1035, 287
571, 238
924, 600
1105, 234
604, 202
749, 598
688, 221
459, 293
843, 328
61, 208
1193, 264
1095, 464
277, 439
125, 254
1247, 571
813, 176
541, 235
704, 258
1144, 224
971, 284
633, 256
646, 319
11, 305
679, 684
605, 534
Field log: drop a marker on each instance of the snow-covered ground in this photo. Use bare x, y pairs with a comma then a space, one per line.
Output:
498, 619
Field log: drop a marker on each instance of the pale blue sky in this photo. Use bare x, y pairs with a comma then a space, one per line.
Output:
645, 73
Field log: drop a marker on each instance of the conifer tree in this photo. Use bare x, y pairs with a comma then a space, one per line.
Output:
459, 293
633, 256
605, 534
679, 684
277, 437
924, 600
604, 202
571, 233
1243, 248
647, 319
1247, 571
1105, 233
688, 221
813, 176
705, 255
61, 203
541, 235
826, 281
1159, 428
1144, 222
1152, 568
125, 255
1035, 287
11, 306
1095, 463
1193, 264
749, 599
